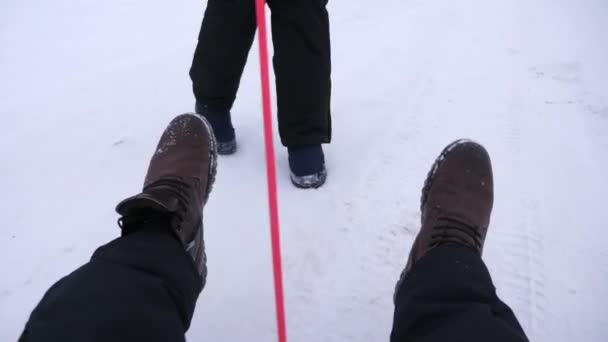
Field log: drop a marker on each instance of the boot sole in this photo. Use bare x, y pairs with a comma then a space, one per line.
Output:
226, 148
309, 182
428, 183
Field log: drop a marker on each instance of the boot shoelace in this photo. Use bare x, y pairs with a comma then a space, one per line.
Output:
450, 230
176, 188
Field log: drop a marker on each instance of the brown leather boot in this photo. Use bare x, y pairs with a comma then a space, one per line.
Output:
177, 185
456, 200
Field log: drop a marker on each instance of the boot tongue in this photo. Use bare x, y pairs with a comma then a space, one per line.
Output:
454, 231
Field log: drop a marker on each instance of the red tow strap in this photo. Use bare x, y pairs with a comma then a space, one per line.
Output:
271, 171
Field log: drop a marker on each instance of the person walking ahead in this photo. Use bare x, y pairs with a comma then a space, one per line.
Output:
302, 65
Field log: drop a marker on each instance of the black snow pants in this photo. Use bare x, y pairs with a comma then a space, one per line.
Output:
140, 287
448, 295
302, 63
143, 287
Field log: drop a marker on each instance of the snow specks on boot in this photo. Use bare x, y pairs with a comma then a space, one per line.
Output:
185, 129
435, 167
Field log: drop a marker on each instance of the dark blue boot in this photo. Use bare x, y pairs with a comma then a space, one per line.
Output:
222, 128
307, 164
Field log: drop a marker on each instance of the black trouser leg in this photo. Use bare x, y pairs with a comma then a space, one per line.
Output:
302, 64
140, 287
448, 295
224, 41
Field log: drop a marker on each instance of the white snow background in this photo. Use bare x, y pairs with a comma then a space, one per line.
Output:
86, 88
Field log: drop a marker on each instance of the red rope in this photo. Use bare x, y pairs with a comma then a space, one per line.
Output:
271, 171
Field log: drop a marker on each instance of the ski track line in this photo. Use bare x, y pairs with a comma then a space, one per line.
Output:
523, 242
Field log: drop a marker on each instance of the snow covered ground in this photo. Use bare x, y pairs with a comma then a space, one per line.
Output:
87, 86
